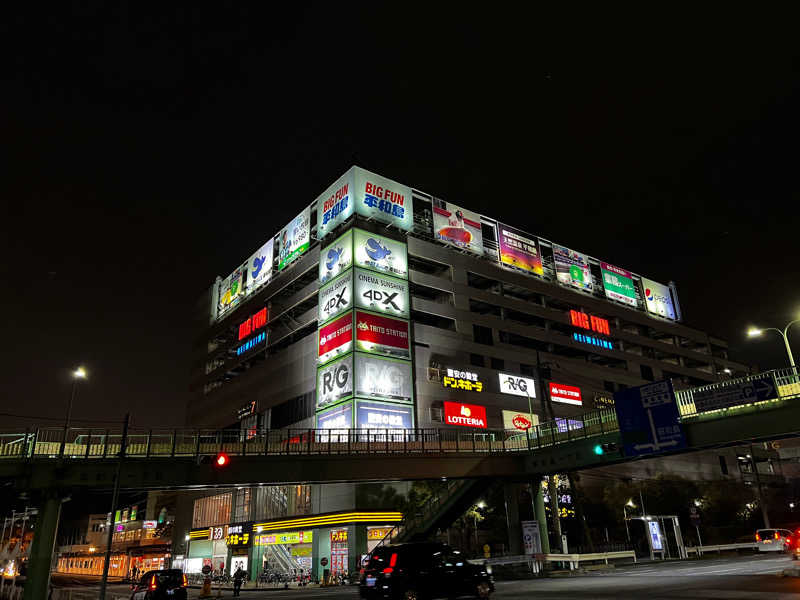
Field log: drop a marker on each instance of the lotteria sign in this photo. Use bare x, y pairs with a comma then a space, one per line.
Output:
336, 257
567, 394
378, 415
380, 293
379, 253
335, 381
335, 338
335, 297
465, 415
367, 194
382, 335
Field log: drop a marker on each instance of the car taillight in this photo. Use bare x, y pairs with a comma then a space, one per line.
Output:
153, 584
777, 536
185, 583
388, 570
758, 538
393, 560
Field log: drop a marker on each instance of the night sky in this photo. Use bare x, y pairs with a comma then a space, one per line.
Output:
149, 152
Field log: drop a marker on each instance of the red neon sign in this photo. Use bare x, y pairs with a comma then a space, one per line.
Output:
254, 323
567, 394
581, 319
465, 415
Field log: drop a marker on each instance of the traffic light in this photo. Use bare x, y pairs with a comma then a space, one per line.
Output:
222, 460
601, 449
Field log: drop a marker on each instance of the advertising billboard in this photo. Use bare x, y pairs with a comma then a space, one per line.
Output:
383, 378
336, 257
516, 385
259, 267
519, 250
230, 290
519, 421
457, 226
335, 205
294, 239
381, 415
380, 293
335, 297
572, 268
657, 298
382, 335
338, 417
618, 284
465, 415
566, 394
335, 338
379, 253
335, 381
383, 199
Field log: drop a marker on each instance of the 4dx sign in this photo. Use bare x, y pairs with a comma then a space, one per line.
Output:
381, 293
335, 297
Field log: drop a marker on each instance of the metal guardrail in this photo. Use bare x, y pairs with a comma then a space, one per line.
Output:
699, 550
87, 444
574, 560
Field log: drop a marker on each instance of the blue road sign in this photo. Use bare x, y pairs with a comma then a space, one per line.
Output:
648, 419
755, 388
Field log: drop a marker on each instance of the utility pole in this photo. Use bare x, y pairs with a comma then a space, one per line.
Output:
114, 500
760, 492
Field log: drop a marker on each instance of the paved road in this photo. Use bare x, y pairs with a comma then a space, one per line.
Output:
753, 577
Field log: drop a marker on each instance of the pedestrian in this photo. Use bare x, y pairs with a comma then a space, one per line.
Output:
238, 577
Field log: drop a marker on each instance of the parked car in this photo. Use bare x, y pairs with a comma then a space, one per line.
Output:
422, 570
772, 540
161, 585
792, 545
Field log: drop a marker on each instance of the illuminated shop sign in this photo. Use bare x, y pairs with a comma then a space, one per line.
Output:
246, 410
517, 385
457, 226
378, 533
380, 293
259, 267
239, 535
658, 299
565, 393
336, 257
338, 417
294, 239
383, 378
253, 323
336, 337
149, 524
462, 380
379, 415
521, 421
379, 253
335, 204
618, 284
601, 401
335, 381
465, 415
251, 343
594, 341
382, 335
592, 323
335, 297
338, 535
289, 537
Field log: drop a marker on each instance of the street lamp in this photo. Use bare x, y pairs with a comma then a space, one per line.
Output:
628, 504
77, 375
755, 332
480, 506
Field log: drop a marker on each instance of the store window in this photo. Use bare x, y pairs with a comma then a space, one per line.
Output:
212, 510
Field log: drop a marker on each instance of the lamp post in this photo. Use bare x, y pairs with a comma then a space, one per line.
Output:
479, 506
628, 504
755, 332
77, 375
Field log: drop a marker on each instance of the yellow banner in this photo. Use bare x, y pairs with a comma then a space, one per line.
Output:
290, 537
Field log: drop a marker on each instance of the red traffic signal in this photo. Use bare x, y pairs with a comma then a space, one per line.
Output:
222, 460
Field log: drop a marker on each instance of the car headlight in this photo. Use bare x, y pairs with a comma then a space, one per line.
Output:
489, 569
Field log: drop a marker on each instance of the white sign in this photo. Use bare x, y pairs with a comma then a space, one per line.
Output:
335, 205
657, 298
380, 293
516, 385
338, 417
377, 415
336, 257
294, 239
655, 535
335, 382
520, 421
530, 537
149, 524
380, 253
383, 378
335, 297
259, 267
457, 226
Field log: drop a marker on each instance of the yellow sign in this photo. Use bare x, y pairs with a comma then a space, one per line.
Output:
462, 384
339, 535
378, 533
290, 537
237, 539
301, 551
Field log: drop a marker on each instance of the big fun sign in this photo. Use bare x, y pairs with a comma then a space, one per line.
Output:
465, 415
382, 335
335, 338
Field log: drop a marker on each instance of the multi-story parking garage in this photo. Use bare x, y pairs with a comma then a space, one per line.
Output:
381, 307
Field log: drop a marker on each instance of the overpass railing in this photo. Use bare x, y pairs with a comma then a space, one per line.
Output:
87, 444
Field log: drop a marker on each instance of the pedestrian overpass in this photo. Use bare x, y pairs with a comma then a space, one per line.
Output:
54, 461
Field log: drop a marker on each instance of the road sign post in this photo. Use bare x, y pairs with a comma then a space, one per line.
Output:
648, 419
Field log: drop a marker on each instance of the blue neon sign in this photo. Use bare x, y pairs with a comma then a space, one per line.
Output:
251, 343
590, 339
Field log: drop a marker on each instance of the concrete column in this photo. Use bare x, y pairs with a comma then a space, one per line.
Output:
41, 556
541, 516
511, 494
356, 546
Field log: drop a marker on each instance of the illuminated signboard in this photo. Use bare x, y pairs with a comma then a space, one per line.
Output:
239, 535
335, 297
294, 239
517, 385
618, 284
592, 323
572, 268
335, 205
335, 381
594, 341
601, 401
246, 410
519, 250
379, 293
259, 267
251, 343
338, 535
382, 335
383, 378
457, 226
336, 257
462, 380
338, 417
658, 299
253, 323
379, 253
149, 524
230, 290
380, 415
565, 393
335, 338
521, 421
378, 533
465, 415
289, 537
